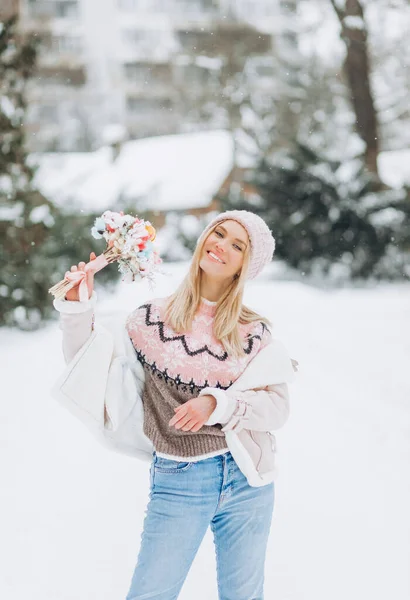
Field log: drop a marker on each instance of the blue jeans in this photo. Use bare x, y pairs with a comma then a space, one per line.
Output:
187, 497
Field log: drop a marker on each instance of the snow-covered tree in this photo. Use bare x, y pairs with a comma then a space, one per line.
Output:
25, 215
37, 241
328, 219
389, 24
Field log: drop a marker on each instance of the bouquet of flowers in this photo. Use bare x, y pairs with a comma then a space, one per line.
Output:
129, 241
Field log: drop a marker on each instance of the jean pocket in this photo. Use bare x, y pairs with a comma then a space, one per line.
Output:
166, 465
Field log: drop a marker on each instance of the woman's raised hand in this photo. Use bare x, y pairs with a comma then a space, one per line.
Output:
73, 294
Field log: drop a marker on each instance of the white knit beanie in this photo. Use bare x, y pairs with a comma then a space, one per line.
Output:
261, 239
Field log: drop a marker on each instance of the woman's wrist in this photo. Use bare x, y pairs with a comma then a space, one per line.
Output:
74, 306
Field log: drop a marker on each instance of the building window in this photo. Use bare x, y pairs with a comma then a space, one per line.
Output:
141, 37
137, 72
67, 9
145, 105
49, 8
47, 112
41, 8
179, 6
197, 6
67, 44
133, 36
208, 5
130, 5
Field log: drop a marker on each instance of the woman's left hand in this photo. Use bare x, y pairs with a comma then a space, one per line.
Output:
192, 415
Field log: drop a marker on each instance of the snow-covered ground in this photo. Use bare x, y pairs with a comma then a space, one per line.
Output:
72, 512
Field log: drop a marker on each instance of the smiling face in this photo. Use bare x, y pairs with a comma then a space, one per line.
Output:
224, 250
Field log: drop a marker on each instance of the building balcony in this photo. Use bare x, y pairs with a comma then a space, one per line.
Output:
170, 8
220, 39
62, 75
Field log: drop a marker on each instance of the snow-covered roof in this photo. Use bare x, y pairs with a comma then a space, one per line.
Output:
175, 172
394, 167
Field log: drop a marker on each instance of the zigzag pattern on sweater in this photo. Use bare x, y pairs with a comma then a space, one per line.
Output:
176, 381
182, 338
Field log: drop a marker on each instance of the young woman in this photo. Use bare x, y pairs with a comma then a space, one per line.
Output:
195, 347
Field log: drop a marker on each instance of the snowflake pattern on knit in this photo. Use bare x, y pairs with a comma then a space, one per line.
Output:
193, 360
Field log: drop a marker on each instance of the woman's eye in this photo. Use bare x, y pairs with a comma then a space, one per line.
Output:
237, 247
219, 233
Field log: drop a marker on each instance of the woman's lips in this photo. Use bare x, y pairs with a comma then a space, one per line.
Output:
210, 253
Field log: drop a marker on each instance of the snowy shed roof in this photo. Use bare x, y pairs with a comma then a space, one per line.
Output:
164, 173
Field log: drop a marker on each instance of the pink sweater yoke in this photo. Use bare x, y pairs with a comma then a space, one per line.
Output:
196, 356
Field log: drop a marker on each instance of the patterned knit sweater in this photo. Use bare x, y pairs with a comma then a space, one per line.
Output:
177, 367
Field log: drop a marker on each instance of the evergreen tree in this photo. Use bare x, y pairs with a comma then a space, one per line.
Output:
25, 216
327, 218
37, 241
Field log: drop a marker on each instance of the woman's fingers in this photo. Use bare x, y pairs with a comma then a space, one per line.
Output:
182, 421
90, 266
179, 413
90, 276
175, 419
190, 425
197, 427
73, 293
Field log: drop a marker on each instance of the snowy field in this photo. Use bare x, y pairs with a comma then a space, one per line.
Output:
72, 512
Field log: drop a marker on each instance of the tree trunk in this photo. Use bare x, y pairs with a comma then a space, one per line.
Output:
290, 60
357, 68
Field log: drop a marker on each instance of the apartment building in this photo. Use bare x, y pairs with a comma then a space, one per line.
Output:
148, 65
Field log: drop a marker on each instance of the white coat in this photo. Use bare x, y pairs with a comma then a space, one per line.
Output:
102, 385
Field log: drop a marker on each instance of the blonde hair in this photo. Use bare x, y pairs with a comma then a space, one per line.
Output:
230, 311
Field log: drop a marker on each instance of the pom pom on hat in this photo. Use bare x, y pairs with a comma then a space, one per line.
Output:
261, 239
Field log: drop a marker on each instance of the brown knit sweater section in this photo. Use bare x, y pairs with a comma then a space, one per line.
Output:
159, 406
177, 367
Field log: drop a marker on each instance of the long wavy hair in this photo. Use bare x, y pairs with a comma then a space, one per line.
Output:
230, 311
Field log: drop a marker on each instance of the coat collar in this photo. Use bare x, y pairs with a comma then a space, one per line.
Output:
270, 366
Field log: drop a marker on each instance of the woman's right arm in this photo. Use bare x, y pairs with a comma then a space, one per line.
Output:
76, 318
76, 323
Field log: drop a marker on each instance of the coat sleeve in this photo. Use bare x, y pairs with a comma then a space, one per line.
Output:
262, 401
103, 384
262, 409
76, 323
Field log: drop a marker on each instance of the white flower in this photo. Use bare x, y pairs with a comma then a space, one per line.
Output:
96, 234
128, 220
